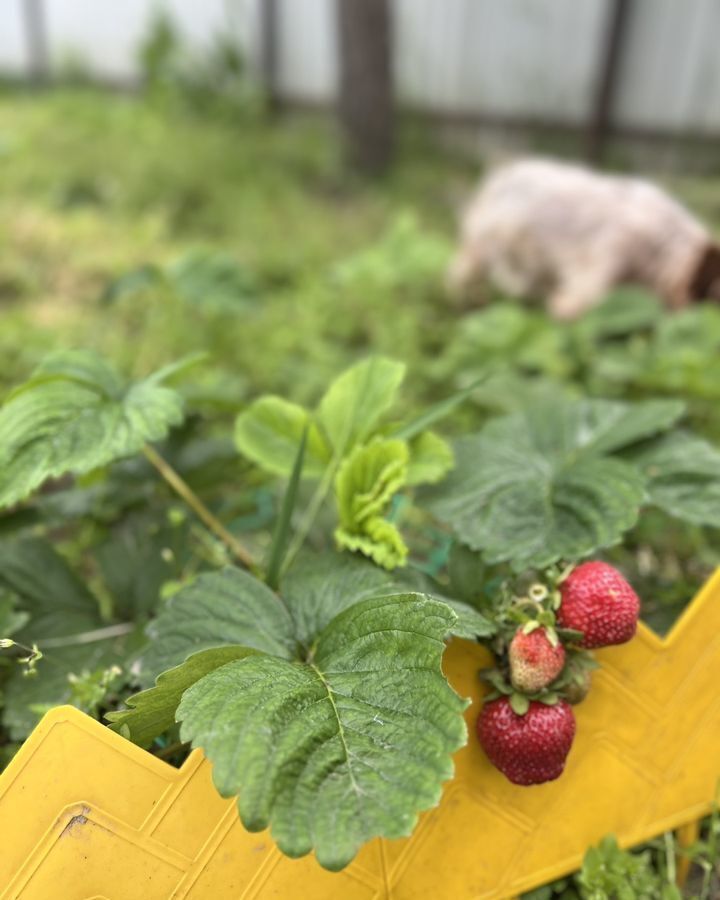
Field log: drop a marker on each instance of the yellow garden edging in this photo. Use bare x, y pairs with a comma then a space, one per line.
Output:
85, 815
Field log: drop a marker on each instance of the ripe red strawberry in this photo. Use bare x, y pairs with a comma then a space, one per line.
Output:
534, 662
529, 749
598, 601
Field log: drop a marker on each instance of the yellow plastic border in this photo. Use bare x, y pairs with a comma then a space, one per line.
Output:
85, 814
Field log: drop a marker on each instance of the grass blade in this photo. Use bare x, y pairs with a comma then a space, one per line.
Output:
438, 411
282, 527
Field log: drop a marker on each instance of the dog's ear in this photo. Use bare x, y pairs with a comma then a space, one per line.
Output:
705, 284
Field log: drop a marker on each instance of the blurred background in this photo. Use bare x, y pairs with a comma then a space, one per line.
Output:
646, 71
278, 182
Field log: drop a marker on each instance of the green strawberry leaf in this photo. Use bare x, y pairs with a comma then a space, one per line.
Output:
269, 432
328, 752
57, 599
356, 401
364, 486
11, 618
625, 309
683, 477
319, 587
152, 712
471, 623
431, 458
602, 426
75, 415
228, 614
538, 486
214, 610
59, 607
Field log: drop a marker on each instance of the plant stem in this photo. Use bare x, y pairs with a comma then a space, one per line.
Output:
313, 509
172, 749
89, 637
670, 858
185, 492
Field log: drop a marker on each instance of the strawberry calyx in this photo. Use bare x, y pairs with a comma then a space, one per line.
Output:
519, 700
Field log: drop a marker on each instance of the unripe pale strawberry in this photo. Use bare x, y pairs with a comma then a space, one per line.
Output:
534, 661
577, 690
598, 601
527, 749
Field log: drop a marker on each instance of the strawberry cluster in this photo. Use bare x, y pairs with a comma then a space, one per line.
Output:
527, 724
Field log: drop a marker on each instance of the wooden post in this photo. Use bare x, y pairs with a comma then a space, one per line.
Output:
607, 82
38, 55
270, 51
365, 105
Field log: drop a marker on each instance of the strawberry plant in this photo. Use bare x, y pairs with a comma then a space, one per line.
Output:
307, 662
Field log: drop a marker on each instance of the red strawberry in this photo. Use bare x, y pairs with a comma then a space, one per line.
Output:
598, 601
534, 661
529, 749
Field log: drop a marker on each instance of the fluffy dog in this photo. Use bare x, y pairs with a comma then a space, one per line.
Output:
539, 228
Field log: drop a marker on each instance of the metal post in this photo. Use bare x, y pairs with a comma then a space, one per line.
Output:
270, 51
607, 78
38, 56
365, 102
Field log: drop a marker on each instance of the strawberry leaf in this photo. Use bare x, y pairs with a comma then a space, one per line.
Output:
152, 712
431, 458
356, 401
59, 608
327, 751
364, 486
228, 614
217, 609
683, 477
269, 432
538, 486
75, 414
319, 587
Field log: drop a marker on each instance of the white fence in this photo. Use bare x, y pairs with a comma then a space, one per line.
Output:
515, 60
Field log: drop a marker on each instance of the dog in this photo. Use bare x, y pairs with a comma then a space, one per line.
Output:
540, 228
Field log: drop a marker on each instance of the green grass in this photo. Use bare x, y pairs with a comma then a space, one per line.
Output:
93, 185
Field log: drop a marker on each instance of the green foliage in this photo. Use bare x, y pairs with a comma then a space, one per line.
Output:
542, 485
202, 279
405, 254
319, 587
625, 310
609, 873
74, 415
327, 751
431, 458
224, 607
365, 483
356, 401
152, 712
90, 690
58, 609
269, 433
344, 440
283, 525
683, 477
11, 619
199, 82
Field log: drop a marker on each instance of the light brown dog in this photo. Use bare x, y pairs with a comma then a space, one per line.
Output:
539, 228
